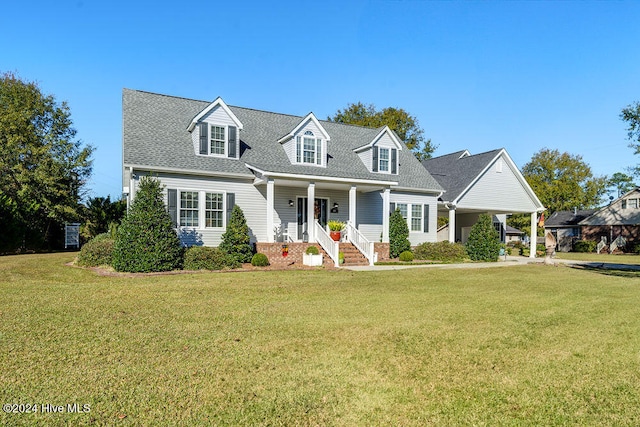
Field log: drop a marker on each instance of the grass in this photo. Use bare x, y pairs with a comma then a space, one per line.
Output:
604, 257
530, 345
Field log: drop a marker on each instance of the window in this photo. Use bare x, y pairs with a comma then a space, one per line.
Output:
403, 209
189, 209
309, 149
214, 210
416, 218
384, 160
218, 140
632, 203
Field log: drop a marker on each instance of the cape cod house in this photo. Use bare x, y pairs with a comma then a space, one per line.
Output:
289, 174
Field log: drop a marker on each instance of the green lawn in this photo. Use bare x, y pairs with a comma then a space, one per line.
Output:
531, 345
604, 257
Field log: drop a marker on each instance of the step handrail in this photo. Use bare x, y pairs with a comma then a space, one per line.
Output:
328, 244
361, 243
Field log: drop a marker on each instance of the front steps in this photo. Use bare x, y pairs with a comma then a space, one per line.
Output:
352, 256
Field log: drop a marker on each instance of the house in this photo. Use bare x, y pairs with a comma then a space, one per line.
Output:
513, 235
615, 224
565, 227
482, 183
289, 174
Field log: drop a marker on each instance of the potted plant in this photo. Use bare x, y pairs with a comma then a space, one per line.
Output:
335, 229
312, 257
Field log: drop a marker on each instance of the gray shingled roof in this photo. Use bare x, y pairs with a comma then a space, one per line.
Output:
155, 134
567, 218
454, 173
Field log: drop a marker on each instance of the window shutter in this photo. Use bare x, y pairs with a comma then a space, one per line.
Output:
231, 202
392, 208
375, 159
319, 151
172, 199
298, 148
425, 218
232, 142
204, 138
394, 161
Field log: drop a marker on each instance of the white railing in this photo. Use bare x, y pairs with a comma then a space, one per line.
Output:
361, 242
327, 243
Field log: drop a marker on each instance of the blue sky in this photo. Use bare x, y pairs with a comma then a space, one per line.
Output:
477, 75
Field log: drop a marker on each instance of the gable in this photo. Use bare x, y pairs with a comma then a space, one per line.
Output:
622, 211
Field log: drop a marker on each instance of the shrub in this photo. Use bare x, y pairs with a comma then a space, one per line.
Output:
259, 260
98, 251
236, 240
484, 240
207, 258
406, 256
441, 251
312, 250
585, 246
398, 234
146, 240
636, 249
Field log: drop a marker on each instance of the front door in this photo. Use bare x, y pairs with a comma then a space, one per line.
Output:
319, 212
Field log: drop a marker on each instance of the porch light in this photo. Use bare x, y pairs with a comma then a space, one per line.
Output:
291, 203
335, 208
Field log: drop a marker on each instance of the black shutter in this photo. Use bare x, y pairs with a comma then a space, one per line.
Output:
231, 202
172, 202
232, 141
204, 138
425, 218
298, 149
392, 208
394, 161
374, 166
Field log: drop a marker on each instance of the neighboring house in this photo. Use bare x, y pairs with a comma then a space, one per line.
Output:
482, 183
564, 225
616, 222
289, 174
513, 235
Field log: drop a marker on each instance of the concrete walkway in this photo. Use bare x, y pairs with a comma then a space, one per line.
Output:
509, 261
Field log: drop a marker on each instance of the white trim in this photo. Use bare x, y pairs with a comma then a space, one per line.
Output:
373, 142
187, 171
218, 102
438, 193
302, 123
202, 208
320, 178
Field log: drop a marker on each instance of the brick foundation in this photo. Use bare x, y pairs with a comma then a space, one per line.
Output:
273, 251
382, 249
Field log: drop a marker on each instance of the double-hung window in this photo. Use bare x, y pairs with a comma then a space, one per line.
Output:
189, 209
218, 140
309, 149
384, 160
416, 218
214, 210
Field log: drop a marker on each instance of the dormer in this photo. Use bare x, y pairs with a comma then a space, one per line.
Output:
307, 143
215, 131
381, 154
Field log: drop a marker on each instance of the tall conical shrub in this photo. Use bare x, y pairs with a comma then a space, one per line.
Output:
146, 240
236, 240
484, 240
398, 234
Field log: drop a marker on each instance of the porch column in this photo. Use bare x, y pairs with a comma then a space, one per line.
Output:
452, 223
311, 202
385, 214
534, 235
270, 210
352, 205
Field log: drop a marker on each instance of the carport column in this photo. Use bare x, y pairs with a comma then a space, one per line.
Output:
311, 203
452, 223
352, 205
386, 200
534, 235
270, 209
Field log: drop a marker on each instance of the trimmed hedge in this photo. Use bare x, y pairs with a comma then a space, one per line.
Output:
585, 246
484, 241
207, 258
260, 260
406, 256
98, 251
441, 251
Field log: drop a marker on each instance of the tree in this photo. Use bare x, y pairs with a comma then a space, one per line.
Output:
100, 213
622, 183
398, 234
484, 240
236, 240
146, 240
563, 181
401, 122
631, 115
43, 167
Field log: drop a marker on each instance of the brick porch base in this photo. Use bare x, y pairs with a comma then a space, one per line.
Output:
273, 251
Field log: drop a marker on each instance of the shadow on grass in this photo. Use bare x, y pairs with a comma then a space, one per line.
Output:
619, 270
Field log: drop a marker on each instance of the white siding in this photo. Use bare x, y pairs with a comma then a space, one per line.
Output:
219, 117
498, 191
367, 158
290, 145
421, 199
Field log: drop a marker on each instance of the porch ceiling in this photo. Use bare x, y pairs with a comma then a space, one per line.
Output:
324, 184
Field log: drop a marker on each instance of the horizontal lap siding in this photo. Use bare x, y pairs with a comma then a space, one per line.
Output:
423, 199
498, 191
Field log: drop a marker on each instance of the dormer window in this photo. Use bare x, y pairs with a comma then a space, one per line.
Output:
309, 149
218, 140
384, 160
